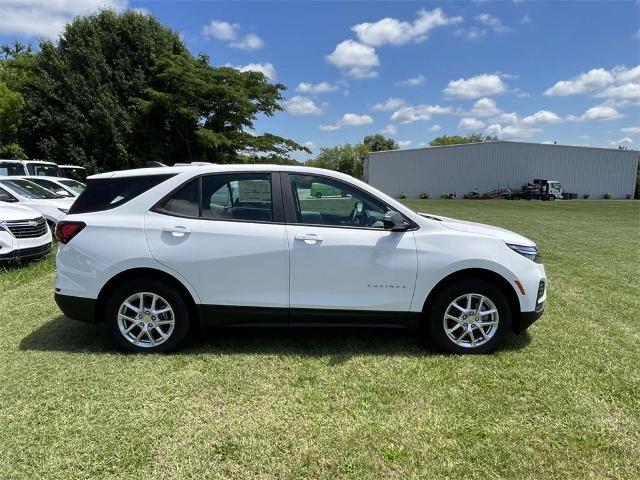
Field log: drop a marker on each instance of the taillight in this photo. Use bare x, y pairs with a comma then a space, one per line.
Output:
66, 230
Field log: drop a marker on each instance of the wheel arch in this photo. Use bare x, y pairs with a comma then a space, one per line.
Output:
488, 275
153, 274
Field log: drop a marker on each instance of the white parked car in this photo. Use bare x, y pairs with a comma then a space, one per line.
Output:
65, 187
24, 233
28, 194
29, 167
154, 251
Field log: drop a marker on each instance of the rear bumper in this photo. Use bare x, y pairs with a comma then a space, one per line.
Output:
78, 308
26, 253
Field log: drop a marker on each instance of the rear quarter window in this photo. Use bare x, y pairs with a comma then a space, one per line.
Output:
107, 193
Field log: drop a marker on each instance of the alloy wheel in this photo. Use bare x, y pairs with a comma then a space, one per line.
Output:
146, 319
471, 320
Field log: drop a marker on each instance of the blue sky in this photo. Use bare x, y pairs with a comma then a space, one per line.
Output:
522, 70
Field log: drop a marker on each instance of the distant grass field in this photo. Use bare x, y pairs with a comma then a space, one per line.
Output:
562, 401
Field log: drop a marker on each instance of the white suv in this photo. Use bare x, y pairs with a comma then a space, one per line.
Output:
154, 251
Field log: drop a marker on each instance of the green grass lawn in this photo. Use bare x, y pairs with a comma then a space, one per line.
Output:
562, 401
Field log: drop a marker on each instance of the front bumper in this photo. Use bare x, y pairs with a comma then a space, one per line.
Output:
78, 308
26, 253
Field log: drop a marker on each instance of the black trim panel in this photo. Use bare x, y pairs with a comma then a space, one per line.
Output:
528, 318
78, 308
29, 253
227, 315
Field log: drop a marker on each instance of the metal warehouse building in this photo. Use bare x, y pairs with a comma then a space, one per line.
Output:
491, 165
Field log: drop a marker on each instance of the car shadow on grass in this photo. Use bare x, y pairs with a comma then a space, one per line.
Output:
62, 334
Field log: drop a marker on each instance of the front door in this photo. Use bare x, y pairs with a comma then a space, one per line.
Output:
225, 234
343, 263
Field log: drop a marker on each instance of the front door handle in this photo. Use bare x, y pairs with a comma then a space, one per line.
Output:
309, 238
177, 231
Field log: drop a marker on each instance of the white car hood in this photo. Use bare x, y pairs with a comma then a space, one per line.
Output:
480, 228
16, 212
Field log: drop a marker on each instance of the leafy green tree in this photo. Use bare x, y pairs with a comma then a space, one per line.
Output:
10, 115
379, 143
118, 90
458, 139
345, 158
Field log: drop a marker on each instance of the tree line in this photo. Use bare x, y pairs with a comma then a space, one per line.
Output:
119, 90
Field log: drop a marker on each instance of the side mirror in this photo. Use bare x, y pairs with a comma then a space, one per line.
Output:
394, 221
5, 197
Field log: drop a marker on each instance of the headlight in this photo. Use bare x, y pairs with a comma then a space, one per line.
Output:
531, 253
64, 210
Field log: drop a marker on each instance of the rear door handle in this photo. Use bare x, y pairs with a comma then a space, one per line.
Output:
177, 231
310, 238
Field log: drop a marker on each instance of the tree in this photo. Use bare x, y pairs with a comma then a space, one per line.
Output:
118, 90
379, 143
345, 158
10, 114
457, 139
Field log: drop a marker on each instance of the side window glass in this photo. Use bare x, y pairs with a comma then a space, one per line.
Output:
324, 201
245, 196
184, 202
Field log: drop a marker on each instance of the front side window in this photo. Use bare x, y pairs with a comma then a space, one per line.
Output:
324, 201
242, 196
11, 168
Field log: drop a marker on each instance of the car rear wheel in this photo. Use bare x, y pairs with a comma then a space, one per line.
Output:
470, 317
318, 194
146, 316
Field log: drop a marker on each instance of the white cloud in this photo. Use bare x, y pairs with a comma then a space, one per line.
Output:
309, 144
518, 131
142, 11
411, 82
475, 87
404, 143
228, 32
355, 59
349, 120
624, 74
485, 107
317, 88
590, 81
506, 118
435, 128
221, 30
526, 19
390, 31
47, 18
494, 130
300, 105
472, 33
627, 91
470, 123
249, 42
597, 113
389, 104
492, 22
632, 130
624, 142
419, 112
542, 117
267, 69
390, 130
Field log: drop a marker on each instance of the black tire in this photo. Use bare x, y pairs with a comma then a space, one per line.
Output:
168, 293
318, 194
435, 328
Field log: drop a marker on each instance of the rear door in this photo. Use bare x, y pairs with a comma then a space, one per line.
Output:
225, 234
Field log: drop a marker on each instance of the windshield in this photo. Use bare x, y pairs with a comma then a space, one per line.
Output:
43, 169
10, 168
77, 173
74, 186
29, 189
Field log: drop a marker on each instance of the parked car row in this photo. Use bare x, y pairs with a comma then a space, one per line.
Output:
30, 207
39, 168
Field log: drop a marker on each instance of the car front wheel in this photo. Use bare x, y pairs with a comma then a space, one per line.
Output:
470, 317
146, 316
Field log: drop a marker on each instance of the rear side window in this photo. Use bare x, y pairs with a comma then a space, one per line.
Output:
241, 196
106, 193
